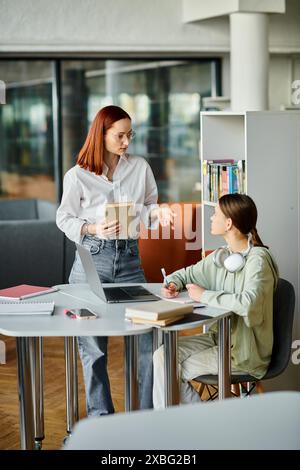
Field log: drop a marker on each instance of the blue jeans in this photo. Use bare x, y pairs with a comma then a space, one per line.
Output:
115, 261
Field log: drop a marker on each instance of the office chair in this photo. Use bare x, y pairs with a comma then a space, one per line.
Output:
283, 316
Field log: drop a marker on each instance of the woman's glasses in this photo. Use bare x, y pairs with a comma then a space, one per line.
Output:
120, 136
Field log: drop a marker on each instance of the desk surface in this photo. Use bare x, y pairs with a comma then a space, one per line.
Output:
266, 421
111, 320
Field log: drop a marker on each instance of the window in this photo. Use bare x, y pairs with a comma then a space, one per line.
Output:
163, 97
26, 131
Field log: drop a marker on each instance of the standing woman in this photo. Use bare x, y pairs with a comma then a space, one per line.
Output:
105, 173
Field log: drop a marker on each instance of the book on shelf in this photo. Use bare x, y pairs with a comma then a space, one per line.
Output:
26, 308
164, 322
223, 176
158, 310
24, 291
123, 213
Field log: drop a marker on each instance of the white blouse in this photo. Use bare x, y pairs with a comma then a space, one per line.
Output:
85, 195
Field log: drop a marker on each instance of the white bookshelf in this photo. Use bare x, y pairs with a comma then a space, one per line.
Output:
269, 142
222, 136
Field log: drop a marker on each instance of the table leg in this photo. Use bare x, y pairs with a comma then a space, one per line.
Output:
157, 335
131, 372
37, 380
71, 382
25, 393
224, 358
172, 392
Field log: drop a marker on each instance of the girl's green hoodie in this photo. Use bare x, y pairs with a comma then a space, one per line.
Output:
249, 295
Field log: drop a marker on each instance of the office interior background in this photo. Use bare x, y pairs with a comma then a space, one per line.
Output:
164, 61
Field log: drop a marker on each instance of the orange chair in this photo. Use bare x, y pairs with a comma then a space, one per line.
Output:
172, 249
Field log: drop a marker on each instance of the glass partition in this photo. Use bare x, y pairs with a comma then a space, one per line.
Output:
51, 104
26, 130
164, 99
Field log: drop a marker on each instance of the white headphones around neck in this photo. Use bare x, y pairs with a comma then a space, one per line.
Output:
233, 262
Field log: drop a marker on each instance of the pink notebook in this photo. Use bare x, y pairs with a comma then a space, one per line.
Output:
24, 291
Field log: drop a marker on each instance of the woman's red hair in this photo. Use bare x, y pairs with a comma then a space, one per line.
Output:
91, 154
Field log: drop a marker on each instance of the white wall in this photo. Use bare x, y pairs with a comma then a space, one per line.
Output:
129, 25
141, 26
280, 80
104, 25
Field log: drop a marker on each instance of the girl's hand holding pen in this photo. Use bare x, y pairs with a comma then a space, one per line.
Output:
169, 291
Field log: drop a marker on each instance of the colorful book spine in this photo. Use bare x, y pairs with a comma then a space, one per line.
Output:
220, 177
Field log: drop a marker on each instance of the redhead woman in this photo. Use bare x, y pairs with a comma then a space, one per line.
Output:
106, 173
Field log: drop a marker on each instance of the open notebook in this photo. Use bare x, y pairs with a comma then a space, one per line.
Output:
26, 308
183, 298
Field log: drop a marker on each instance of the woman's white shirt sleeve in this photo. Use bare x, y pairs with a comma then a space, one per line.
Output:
67, 218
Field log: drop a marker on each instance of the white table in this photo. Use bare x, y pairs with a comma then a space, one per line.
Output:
30, 329
268, 421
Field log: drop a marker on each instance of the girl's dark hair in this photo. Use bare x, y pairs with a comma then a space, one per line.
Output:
91, 154
242, 210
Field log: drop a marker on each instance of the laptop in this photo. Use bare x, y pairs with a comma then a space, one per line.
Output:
111, 294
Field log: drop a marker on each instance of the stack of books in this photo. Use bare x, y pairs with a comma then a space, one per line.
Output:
13, 300
161, 313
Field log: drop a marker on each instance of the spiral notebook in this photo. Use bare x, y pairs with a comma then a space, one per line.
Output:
24, 291
26, 308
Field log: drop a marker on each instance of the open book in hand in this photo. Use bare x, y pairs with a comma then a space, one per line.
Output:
24, 291
157, 311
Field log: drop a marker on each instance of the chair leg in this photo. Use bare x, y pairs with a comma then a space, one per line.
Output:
247, 388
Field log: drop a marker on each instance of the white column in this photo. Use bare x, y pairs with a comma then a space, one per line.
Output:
112, 80
249, 61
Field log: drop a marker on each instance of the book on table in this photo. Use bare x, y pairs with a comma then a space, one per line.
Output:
159, 310
26, 308
24, 291
164, 322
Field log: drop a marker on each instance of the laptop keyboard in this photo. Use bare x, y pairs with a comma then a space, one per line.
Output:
125, 293
115, 293
132, 291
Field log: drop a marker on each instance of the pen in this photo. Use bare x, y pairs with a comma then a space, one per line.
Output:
165, 277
